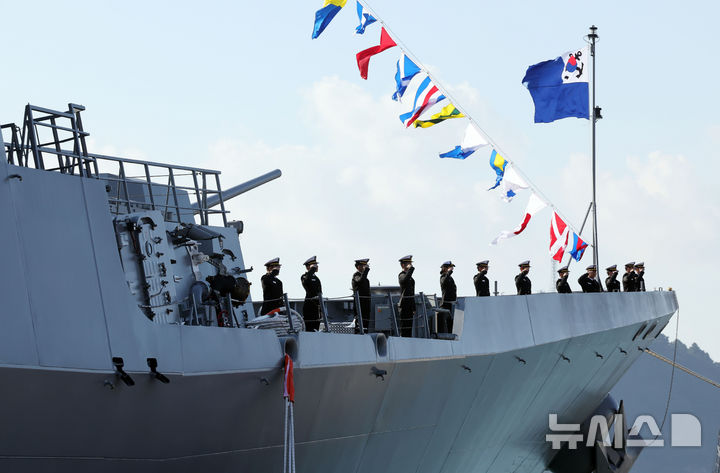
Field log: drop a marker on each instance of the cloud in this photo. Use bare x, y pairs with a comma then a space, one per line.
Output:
661, 209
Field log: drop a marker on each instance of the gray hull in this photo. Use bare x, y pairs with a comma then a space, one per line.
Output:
443, 406
478, 404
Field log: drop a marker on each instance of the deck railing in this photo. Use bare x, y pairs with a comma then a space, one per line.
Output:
49, 136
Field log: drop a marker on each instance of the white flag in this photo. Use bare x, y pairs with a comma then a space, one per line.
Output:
511, 183
534, 205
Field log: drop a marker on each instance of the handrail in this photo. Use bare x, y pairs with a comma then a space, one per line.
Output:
154, 164
396, 331
289, 314
49, 135
323, 309
358, 312
425, 315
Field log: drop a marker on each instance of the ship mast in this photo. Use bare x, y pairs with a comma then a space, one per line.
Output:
592, 38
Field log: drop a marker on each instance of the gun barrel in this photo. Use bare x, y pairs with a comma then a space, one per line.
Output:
240, 189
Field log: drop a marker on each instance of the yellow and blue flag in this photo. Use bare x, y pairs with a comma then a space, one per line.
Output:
498, 163
448, 112
324, 16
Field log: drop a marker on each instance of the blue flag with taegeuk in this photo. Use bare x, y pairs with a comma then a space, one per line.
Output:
559, 87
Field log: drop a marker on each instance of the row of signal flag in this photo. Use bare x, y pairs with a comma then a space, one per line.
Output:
558, 89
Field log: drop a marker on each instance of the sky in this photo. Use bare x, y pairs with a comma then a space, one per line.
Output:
241, 88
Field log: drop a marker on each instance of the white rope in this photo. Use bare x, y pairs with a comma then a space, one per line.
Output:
292, 437
449, 96
285, 439
681, 367
289, 439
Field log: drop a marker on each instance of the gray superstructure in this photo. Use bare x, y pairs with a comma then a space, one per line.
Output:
105, 273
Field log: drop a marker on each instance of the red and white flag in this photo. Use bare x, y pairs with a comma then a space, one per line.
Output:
288, 382
534, 205
559, 232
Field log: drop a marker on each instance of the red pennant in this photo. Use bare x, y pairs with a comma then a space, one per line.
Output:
363, 57
289, 382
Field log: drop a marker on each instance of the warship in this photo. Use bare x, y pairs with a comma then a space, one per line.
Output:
130, 341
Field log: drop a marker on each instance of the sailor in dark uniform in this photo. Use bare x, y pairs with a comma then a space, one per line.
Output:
313, 288
272, 287
449, 297
361, 285
588, 281
482, 284
407, 296
611, 282
522, 281
629, 279
640, 277
562, 285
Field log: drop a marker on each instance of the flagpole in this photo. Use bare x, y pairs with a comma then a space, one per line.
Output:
595, 116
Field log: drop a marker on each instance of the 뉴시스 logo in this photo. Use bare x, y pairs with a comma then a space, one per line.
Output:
685, 431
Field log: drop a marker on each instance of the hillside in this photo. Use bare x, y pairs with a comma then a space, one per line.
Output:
645, 390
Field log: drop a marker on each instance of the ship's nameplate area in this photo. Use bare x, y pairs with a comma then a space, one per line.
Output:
17, 337
55, 233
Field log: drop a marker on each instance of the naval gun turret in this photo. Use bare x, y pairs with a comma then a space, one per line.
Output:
180, 268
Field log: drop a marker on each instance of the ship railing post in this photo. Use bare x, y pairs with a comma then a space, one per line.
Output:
198, 198
126, 190
396, 332
323, 309
425, 315
172, 189
32, 138
435, 319
149, 185
289, 315
222, 202
358, 312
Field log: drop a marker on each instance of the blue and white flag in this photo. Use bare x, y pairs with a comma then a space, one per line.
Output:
559, 87
472, 141
511, 183
406, 70
365, 19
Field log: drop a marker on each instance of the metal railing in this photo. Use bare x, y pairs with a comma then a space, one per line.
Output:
45, 136
49, 136
138, 184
